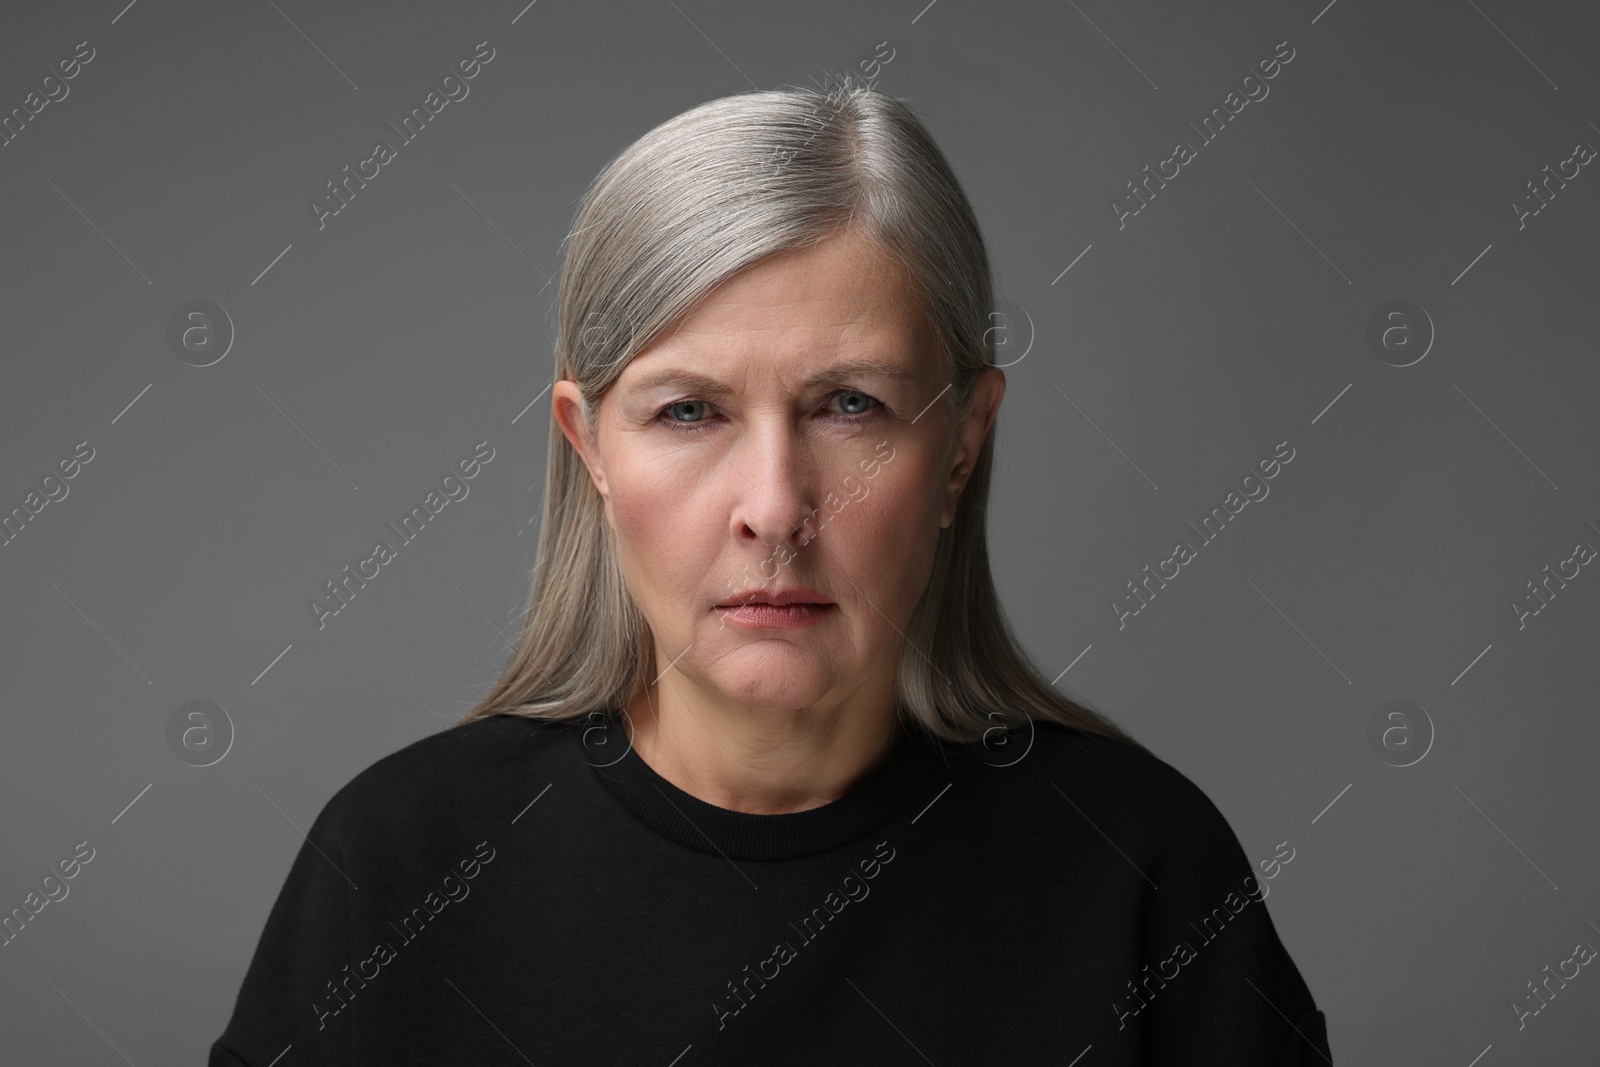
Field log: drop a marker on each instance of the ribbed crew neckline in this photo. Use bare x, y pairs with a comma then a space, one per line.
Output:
691, 822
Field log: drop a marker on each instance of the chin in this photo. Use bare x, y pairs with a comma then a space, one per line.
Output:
773, 690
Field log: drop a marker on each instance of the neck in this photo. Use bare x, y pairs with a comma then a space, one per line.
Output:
757, 760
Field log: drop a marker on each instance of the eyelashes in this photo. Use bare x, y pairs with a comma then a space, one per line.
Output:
699, 426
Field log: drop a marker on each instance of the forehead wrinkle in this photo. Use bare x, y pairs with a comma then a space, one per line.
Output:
833, 375
747, 326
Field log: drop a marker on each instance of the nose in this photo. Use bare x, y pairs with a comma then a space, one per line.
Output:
774, 486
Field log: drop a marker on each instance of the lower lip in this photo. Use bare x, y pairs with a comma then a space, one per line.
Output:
773, 617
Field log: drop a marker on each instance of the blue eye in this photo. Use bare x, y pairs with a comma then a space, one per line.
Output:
680, 404
853, 393
853, 398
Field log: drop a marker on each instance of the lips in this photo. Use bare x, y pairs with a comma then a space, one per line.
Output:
776, 616
776, 597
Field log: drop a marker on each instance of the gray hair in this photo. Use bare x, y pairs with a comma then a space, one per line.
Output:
683, 208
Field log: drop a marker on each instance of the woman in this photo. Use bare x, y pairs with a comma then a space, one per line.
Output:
767, 778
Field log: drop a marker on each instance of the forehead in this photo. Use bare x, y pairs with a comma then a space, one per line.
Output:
795, 314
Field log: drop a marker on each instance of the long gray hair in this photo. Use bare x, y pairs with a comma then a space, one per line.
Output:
683, 208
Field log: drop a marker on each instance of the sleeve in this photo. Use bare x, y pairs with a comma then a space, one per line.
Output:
289, 996
1219, 989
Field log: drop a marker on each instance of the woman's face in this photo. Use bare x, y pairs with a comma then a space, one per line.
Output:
753, 449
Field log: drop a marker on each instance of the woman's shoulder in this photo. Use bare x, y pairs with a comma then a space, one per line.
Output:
1106, 760
495, 739
446, 775
1126, 783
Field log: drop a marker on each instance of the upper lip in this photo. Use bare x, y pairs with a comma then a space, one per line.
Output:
791, 595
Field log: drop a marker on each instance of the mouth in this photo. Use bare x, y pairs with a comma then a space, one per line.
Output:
758, 616
777, 598
780, 609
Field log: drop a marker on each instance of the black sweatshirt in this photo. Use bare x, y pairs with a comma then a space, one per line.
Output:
514, 892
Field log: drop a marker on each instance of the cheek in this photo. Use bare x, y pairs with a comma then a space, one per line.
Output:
891, 530
661, 530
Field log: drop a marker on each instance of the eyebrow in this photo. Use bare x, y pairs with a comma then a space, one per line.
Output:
833, 375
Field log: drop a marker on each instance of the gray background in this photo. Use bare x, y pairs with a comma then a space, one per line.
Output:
1177, 351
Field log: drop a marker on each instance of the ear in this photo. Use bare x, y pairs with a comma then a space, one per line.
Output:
970, 434
567, 406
